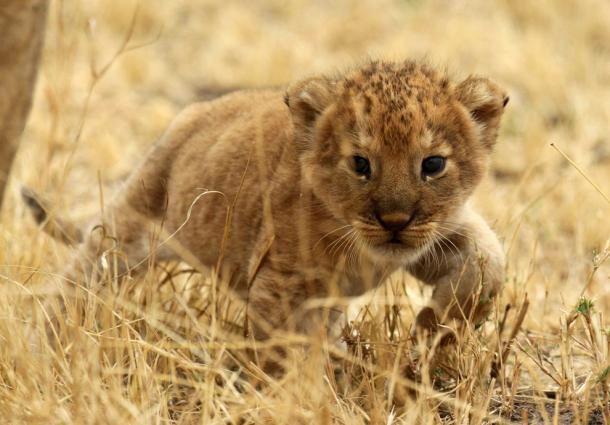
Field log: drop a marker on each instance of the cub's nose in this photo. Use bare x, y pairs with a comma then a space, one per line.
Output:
394, 221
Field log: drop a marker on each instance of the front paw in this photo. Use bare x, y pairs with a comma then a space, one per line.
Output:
428, 327
425, 322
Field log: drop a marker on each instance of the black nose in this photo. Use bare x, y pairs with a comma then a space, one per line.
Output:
394, 221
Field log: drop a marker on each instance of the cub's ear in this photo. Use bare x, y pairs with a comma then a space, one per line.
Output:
485, 101
307, 100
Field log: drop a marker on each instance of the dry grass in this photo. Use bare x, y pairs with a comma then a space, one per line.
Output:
157, 349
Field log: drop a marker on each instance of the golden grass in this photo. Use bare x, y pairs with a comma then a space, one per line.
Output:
157, 350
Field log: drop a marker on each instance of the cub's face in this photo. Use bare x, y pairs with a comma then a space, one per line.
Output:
394, 151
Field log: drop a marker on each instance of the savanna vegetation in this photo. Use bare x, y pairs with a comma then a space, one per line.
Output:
168, 347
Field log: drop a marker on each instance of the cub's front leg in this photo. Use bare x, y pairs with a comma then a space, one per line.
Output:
277, 301
467, 271
281, 304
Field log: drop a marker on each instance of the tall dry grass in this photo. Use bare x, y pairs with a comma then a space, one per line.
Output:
162, 349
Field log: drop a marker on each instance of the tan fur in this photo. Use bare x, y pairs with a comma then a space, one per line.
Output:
304, 225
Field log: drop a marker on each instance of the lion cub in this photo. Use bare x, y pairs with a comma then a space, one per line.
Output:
321, 190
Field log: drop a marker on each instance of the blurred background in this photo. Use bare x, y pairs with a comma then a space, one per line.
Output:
115, 72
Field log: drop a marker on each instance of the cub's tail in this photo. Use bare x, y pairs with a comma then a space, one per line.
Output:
62, 230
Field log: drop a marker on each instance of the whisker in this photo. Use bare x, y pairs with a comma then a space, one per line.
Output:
337, 245
344, 248
441, 241
455, 232
330, 233
352, 248
457, 251
336, 242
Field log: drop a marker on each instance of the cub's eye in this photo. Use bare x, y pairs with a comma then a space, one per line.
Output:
362, 166
432, 166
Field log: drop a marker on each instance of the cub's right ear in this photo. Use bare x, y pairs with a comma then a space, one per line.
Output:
307, 100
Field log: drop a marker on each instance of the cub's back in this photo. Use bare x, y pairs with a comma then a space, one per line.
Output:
210, 148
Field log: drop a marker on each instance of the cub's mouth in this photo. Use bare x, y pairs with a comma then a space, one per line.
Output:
396, 246
394, 240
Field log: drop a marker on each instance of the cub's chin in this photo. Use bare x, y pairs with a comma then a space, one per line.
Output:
397, 252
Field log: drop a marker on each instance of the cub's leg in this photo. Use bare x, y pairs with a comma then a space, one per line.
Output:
278, 306
467, 271
120, 245
114, 246
125, 236
111, 249
120, 242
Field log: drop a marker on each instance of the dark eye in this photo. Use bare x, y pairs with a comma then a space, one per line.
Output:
362, 166
432, 165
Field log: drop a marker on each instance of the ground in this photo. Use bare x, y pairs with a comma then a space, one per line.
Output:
167, 348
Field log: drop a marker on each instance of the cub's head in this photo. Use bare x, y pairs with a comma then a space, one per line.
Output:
395, 150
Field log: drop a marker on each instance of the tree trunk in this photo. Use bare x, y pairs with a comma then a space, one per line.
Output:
22, 28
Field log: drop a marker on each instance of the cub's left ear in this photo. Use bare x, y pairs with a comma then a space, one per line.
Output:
485, 101
307, 100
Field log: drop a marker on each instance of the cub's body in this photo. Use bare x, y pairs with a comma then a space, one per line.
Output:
323, 190
237, 153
